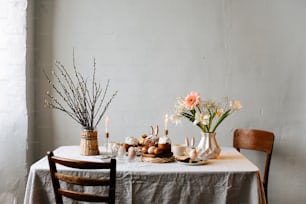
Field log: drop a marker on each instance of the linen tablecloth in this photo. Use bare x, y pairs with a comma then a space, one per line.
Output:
229, 179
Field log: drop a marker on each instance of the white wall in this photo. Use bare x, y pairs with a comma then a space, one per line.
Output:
13, 112
155, 51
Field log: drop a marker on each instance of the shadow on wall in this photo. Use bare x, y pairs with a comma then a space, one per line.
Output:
39, 57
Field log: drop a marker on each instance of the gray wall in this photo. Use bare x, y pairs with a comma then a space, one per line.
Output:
155, 51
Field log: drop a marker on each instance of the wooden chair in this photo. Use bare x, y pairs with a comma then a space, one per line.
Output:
258, 140
81, 180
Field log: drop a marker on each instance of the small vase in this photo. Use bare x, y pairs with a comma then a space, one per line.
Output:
208, 147
89, 143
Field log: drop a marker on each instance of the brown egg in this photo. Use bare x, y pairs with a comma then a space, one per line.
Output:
144, 149
158, 151
151, 149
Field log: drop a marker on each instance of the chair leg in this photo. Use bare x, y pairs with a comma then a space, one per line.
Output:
266, 194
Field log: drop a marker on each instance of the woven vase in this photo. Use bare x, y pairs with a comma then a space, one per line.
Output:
89, 143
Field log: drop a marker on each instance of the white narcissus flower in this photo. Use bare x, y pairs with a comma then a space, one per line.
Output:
202, 118
179, 106
205, 119
236, 105
176, 118
219, 112
209, 104
195, 122
198, 118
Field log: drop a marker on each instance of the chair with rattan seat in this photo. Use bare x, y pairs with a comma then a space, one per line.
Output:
259, 140
64, 176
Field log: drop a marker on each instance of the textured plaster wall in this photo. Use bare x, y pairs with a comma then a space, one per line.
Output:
13, 112
155, 51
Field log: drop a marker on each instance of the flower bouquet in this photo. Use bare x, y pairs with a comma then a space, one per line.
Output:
206, 114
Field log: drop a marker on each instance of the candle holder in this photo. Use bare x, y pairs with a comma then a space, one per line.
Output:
106, 145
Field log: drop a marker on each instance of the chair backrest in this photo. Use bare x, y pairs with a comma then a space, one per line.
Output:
109, 181
258, 140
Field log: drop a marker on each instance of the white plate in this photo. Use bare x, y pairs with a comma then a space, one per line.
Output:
104, 156
200, 162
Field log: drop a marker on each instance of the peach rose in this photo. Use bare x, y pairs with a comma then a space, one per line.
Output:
192, 100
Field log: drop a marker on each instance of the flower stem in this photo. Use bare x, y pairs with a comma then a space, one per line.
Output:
227, 113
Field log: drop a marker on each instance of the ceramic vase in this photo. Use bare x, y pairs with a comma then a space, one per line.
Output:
208, 147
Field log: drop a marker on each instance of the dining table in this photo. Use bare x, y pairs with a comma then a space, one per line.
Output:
231, 178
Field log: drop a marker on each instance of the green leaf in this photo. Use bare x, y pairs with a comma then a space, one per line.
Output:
227, 113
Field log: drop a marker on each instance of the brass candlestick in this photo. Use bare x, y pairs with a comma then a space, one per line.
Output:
106, 143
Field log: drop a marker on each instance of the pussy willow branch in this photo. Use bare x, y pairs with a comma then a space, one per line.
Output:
54, 103
77, 101
105, 108
103, 97
74, 90
75, 106
67, 97
58, 106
